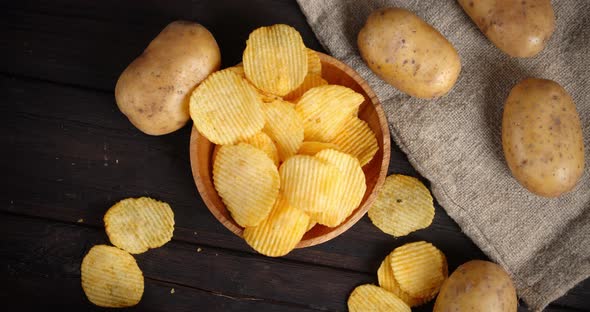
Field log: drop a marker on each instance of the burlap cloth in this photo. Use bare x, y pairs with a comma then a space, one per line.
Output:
455, 141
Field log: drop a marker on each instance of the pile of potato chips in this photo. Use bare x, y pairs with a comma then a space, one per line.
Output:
412, 274
290, 146
110, 275
409, 276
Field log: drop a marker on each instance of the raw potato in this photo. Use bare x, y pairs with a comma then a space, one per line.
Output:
542, 137
408, 53
477, 286
154, 90
519, 28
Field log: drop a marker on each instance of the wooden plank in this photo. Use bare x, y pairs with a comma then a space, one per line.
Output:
39, 40
51, 249
56, 160
28, 292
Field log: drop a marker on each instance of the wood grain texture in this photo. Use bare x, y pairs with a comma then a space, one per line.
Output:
55, 160
335, 72
68, 154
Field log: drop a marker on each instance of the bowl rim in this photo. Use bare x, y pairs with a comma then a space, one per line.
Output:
357, 214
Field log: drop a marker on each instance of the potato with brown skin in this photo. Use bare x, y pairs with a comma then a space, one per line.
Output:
520, 28
477, 286
154, 90
408, 53
542, 137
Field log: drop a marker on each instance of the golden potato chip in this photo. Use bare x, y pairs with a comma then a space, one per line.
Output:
226, 109
352, 188
325, 109
111, 277
284, 127
275, 59
355, 137
214, 154
314, 64
138, 224
264, 143
387, 281
403, 205
309, 183
247, 181
278, 234
238, 69
374, 298
419, 269
265, 96
310, 81
313, 147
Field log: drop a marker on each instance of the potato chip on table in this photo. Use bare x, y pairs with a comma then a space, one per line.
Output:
374, 298
247, 181
278, 234
138, 224
387, 281
352, 188
111, 277
225, 108
275, 59
420, 269
402, 206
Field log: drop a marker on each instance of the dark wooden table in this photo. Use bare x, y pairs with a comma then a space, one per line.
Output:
69, 154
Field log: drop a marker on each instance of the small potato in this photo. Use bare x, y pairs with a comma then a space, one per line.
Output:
477, 286
408, 53
542, 137
520, 28
154, 90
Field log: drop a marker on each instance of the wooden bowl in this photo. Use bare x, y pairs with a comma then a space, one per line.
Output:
335, 72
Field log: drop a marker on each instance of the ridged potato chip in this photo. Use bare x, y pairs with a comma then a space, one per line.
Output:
225, 108
325, 109
355, 137
403, 205
238, 69
247, 181
313, 147
352, 188
265, 96
387, 281
278, 234
214, 154
374, 298
284, 127
309, 183
275, 59
314, 63
111, 277
311, 81
419, 269
138, 224
264, 143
